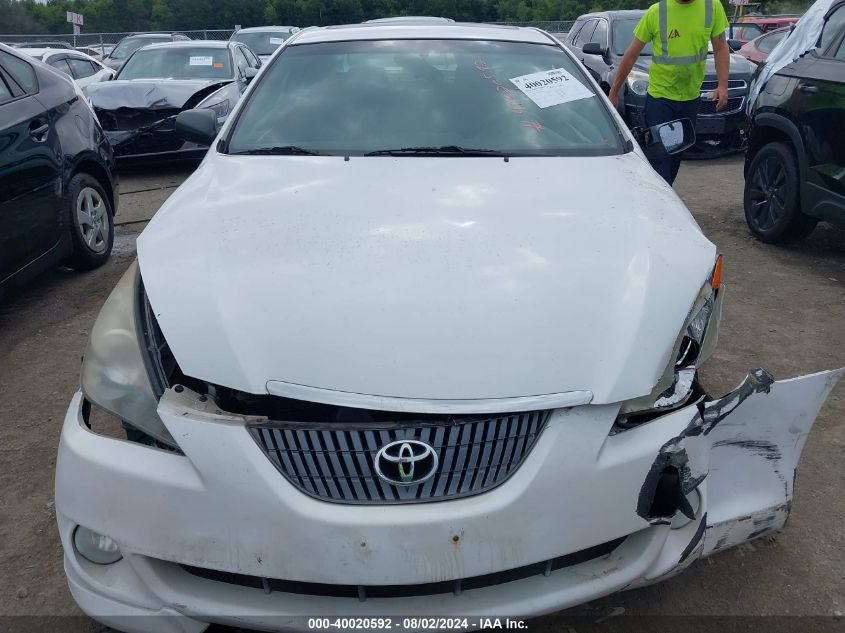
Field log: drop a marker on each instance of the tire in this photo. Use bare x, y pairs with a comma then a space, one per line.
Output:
91, 223
771, 199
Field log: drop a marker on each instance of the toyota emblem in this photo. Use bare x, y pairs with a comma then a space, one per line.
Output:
406, 462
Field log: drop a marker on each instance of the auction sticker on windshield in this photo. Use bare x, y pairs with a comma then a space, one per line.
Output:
551, 87
276, 40
201, 61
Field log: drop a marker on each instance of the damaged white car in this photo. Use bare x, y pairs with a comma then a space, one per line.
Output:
419, 336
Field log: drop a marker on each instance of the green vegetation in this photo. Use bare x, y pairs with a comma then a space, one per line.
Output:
29, 16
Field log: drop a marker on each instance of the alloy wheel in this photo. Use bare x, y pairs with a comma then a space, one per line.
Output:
92, 217
768, 193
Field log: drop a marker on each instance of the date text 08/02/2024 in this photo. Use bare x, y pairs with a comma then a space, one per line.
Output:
414, 624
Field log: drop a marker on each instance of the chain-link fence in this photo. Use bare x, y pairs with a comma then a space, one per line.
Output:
110, 39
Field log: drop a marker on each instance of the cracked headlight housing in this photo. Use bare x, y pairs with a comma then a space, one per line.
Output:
116, 369
638, 82
694, 344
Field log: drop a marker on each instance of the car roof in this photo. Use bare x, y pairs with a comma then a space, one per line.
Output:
138, 36
409, 19
614, 15
267, 29
49, 52
394, 31
190, 44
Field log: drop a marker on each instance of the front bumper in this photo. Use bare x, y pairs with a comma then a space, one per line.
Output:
152, 142
223, 506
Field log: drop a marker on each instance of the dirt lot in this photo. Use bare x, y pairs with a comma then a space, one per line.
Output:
784, 311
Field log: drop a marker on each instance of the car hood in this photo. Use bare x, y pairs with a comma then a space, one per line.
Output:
432, 278
739, 66
151, 94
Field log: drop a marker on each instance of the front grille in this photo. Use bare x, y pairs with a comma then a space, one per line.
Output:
709, 85
336, 463
707, 107
363, 592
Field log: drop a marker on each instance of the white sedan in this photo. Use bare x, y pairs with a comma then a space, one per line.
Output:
83, 68
419, 337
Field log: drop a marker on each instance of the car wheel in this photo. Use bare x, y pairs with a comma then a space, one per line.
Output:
771, 199
91, 223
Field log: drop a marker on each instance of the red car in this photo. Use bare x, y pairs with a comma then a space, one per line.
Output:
758, 49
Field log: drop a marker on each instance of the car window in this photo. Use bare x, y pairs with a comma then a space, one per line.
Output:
832, 28
356, 97
5, 92
129, 45
586, 33
600, 34
59, 64
746, 32
81, 67
575, 30
623, 35
188, 62
262, 43
840, 53
241, 61
251, 58
20, 72
767, 44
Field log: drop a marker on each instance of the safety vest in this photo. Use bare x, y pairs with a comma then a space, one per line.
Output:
663, 18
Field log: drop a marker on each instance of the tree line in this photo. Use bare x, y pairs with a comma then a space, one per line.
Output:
104, 16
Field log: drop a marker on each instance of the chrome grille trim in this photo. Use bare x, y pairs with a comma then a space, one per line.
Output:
335, 462
709, 85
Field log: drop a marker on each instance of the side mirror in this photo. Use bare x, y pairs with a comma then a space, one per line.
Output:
250, 73
197, 126
594, 48
734, 45
670, 138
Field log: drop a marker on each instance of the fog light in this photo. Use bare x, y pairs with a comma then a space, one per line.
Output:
680, 519
95, 547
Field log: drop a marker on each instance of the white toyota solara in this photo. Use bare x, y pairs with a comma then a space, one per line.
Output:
419, 336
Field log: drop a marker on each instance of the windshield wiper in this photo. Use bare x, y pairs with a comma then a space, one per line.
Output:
282, 150
443, 150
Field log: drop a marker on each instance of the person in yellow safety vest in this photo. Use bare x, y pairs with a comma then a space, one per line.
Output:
679, 31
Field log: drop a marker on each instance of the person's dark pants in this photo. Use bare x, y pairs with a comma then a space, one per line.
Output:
660, 110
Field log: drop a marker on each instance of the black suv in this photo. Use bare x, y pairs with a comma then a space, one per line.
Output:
58, 183
795, 164
131, 43
600, 39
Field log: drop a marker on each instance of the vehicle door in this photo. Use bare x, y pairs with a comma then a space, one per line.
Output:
819, 103
597, 63
30, 169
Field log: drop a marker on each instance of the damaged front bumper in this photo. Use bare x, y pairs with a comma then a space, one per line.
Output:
216, 534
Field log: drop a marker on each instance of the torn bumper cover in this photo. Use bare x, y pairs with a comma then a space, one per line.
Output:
216, 534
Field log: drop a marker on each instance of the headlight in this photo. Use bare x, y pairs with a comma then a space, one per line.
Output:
220, 108
115, 376
638, 82
693, 346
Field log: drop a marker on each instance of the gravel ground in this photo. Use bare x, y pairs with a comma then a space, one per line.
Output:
783, 311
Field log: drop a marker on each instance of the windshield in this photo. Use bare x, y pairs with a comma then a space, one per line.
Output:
623, 34
194, 62
261, 43
129, 45
369, 96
